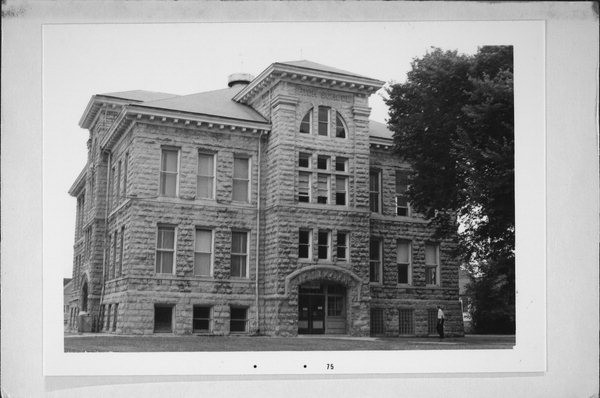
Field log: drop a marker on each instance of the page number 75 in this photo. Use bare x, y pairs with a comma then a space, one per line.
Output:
329, 366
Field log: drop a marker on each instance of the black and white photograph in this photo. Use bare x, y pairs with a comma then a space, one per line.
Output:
270, 203
259, 197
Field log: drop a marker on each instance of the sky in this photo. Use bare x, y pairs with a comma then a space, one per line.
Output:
81, 60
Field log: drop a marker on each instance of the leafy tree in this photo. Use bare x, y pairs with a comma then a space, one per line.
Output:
453, 121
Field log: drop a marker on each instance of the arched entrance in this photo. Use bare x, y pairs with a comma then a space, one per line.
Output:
321, 308
84, 296
327, 299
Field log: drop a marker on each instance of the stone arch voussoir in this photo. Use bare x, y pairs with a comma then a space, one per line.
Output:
329, 273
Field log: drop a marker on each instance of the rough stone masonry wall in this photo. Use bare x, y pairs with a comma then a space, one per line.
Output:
389, 295
91, 249
140, 288
285, 215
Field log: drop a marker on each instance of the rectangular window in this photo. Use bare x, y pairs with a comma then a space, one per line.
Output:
203, 252
108, 317
374, 190
403, 262
304, 160
239, 254
115, 317
121, 251
88, 243
206, 176
402, 206
335, 305
377, 325
406, 322
431, 321
375, 261
80, 210
165, 249
323, 245
111, 199
114, 255
169, 171
304, 243
118, 183
323, 162
323, 186
241, 179
342, 246
432, 264
238, 319
163, 318
102, 315
341, 190
125, 175
341, 164
304, 183
323, 120
202, 321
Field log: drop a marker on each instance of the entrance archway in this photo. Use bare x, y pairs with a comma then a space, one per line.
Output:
337, 290
84, 296
322, 308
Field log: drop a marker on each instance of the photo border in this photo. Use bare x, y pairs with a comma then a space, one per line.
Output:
572, 114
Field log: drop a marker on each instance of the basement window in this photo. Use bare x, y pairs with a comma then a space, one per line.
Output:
238, 322
202, 320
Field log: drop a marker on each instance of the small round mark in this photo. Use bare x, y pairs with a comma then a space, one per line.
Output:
255, 366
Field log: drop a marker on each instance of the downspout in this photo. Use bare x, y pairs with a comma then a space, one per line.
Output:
105, 235
257, 233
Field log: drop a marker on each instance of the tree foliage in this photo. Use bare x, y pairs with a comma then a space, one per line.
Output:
453, 121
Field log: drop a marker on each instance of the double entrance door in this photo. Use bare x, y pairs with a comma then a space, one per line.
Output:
321, 309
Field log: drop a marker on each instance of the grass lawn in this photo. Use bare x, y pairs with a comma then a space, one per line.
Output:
170, 343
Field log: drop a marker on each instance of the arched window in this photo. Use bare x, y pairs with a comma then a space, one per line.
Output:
84, 297
306, 123
340, 129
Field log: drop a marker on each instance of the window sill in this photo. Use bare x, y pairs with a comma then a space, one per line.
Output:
237, 279
323, 206
118, 207
380, 216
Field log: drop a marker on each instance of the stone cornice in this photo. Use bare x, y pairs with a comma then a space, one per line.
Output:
96, 103
361, 112
79, 182
297, 74
282, 99
132, 114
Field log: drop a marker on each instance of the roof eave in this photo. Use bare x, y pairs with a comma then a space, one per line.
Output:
85, 120
79, 183
96, 102
381, 142
132, 114
345, 81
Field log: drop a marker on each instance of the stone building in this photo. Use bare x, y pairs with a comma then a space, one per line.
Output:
273, 206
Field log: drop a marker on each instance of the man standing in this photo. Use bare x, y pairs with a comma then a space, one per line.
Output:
440, 322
